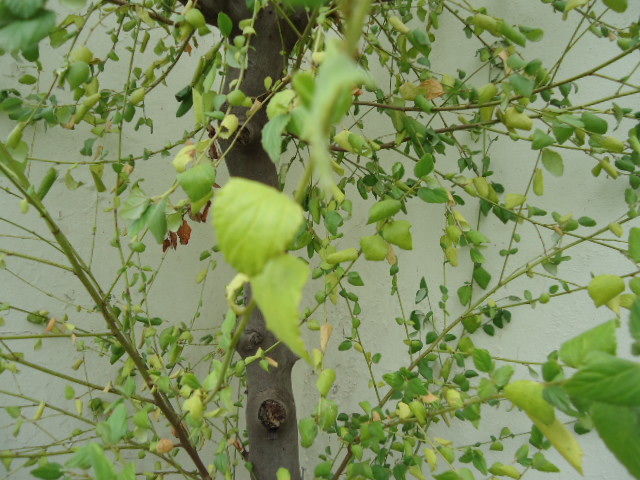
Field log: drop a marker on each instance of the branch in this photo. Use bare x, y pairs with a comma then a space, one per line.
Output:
152, 14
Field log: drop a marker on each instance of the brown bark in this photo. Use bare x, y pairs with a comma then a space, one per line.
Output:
270, 410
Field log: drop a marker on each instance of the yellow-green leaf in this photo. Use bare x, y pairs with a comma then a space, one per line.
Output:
527, 395
254, 223
604, 288
564, 441
278, 292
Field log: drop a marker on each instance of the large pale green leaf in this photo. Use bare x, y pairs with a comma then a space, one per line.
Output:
601, 338
619, 428
278, 292
254, 223
564, 441
607, 379
528, 396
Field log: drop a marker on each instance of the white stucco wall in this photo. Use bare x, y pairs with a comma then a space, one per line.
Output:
532, 334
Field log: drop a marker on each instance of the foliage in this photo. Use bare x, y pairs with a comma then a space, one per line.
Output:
359, 198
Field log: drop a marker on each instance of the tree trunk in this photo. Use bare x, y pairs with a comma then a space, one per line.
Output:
270, 410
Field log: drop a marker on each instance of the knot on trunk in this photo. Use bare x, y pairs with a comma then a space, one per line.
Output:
272, 414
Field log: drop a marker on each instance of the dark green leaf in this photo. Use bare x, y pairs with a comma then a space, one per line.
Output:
225, 24
619, 428
481, 276
49, 471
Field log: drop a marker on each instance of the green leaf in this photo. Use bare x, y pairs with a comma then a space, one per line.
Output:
399, 234
634, 244
347, 255
21, 34
225, 24
514, 200
118, 423
607, 379
601, 338
619, 428
522, 85
374, 247
563, 441
384, 209
278, 292
433, 195
634, 320
254, 223
541, 140
102, 466
198, 181
464, 294
593, 123
325, 381
272, 136
481, 276
305, 3
503, 470
482, 360
24, 8
15, 168
49, 471
425, 166
552, 161
528, 396
541, 464
158, 221
604, 288
617, 6
308, 431
135, 206
75, 4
